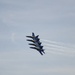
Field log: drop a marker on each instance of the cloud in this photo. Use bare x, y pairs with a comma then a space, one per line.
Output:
13, 37
20, 62
52, 20
60, 70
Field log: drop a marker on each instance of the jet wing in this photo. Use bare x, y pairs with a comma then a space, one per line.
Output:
31, 40
32, 44
34, 48
30, 36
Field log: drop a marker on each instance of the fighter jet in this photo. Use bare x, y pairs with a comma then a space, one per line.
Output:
39, 49
36, 43
33, 37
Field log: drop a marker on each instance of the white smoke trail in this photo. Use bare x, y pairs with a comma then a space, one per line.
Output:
59, 52
58, 48
52, 45
58, 44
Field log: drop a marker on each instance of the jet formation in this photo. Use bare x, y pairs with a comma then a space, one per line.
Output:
36, 43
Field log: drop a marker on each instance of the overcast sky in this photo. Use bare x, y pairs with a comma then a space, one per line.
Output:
53, 21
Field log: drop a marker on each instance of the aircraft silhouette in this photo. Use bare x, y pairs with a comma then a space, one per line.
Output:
36, 43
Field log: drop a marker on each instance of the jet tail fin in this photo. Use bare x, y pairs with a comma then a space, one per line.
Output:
41, 53
33, 34
37, 36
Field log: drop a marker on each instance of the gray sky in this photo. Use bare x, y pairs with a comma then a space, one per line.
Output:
53, 21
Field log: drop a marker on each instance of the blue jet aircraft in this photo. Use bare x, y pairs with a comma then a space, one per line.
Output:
36, 43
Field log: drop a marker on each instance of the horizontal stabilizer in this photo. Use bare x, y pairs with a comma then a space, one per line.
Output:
41, 47
37, 36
